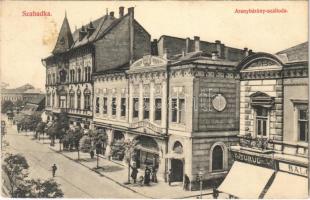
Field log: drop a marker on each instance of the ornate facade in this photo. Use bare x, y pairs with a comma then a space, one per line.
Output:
273, 126
103, 44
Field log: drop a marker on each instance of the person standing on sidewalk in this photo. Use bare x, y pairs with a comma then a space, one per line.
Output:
169, 176
54, 168
186, 182
92, 154
134, 172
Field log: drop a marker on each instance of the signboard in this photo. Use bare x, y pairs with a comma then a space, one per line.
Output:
294, 169
253, 159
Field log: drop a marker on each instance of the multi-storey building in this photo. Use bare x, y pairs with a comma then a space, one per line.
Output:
272, 158
24, 93
181, 108
103, 44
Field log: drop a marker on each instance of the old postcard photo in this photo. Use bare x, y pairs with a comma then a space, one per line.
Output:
154, 99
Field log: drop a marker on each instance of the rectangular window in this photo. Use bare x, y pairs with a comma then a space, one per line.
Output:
261, 122
174, 110
146, 108
158, 109
123, 107
181, 109
105, 105
97, 105
303, 131
135, 106
114, 106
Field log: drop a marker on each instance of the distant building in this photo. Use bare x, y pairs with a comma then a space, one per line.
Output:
103, 44
182, 108
272, 158
24, 93
36, 104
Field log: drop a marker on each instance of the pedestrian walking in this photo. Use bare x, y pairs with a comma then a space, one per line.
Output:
134, 172
186, 182
92, 154
54, 168
147, 176
169, 176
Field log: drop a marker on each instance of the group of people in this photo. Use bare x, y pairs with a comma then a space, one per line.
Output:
149, 175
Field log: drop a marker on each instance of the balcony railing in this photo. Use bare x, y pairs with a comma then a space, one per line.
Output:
256, 143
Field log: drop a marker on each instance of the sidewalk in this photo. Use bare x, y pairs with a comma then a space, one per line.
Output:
118, 173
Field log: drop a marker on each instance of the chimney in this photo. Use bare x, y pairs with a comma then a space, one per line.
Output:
245, 52
121, 11
197, 43
250, 52
131, 33
187, 43
165, 55
82, 33
214, 55
154, 48
90, 29
112, 14
218, 48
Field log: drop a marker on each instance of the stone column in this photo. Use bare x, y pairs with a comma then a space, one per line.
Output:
164, 104
110, 134
152, 101
162, 164
141, 101
130, 106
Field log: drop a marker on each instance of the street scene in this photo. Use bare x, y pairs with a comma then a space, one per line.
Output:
131, 105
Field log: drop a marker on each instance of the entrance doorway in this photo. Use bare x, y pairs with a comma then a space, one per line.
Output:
177, 170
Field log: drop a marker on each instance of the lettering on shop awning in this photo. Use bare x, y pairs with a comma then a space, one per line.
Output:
294, 169
254, 160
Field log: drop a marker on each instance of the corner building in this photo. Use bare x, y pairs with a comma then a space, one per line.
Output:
103, 44
182, 108
271, 160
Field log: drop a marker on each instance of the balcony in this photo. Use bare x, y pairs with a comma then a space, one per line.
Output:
58, 110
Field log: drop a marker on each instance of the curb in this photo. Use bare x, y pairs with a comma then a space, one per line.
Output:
124, 186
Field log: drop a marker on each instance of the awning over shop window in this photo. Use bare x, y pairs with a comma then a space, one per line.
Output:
288, 186
245, 180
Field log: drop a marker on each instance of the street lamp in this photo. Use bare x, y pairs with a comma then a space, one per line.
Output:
199, 179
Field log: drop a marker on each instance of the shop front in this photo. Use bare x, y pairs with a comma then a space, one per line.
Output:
262, 175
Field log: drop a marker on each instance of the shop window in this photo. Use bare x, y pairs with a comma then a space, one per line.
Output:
97, 105
217, 158
135, 106
105, 105
261, 122
158, 109
123, 107
114, 106
146, 108
303, 131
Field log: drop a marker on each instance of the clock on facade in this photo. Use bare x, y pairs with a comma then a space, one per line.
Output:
219, 102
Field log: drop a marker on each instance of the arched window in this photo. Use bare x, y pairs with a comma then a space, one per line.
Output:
71, 98
177, 147
79, 75
87, 94
78, 94
217, 158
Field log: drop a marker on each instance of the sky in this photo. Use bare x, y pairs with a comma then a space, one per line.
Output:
26, 40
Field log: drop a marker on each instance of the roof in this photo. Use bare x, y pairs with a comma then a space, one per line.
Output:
20, 89
37, 99
294, 54
32, 91
64, 40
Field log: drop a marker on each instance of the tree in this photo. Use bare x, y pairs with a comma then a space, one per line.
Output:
59, 128
40, 128
85, 144
129, 151
6, 106
37, 188
15, 168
